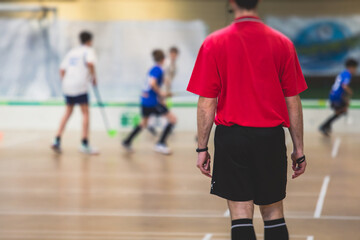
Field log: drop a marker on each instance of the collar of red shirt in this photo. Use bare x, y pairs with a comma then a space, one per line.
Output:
247, 19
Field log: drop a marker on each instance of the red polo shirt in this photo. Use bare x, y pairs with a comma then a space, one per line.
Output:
250, 68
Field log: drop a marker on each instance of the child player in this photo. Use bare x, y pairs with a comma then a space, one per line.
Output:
152, 103
76, 71
169, 73
340, 95
170, 68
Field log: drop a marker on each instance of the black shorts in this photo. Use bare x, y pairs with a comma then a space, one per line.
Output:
157, 110
80, 99
338, 105
250, 164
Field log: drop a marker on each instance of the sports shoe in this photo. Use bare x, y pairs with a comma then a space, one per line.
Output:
56, 147
162, 148
84, 148
325, 131
127, 147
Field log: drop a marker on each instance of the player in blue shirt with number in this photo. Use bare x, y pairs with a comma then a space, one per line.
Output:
152, 103
340, 95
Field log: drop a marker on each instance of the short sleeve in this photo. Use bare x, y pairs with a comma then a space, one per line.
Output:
205, 79
347, 80
292, 78
90, 56
156, 73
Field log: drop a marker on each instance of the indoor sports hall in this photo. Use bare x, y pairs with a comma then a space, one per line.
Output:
108, 192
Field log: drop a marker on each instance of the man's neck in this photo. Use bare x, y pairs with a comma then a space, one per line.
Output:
245, 13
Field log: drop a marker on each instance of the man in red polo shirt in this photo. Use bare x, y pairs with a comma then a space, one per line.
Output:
249, 78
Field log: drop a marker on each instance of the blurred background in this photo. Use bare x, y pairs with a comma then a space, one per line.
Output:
146, 196
37, 34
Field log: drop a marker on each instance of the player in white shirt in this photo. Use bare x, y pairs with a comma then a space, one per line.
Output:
77, 70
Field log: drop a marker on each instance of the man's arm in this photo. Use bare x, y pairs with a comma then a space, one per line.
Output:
155, 86
157, 89
91, 67
205, 120
62, 74
347, 89
297, 132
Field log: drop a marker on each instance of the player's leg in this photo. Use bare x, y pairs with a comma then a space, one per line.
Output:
340, 108
270, 178
85, 124
161, 146
57, 142
85, 146
171, 118
274, 222
232, 178
143, 124
242, 220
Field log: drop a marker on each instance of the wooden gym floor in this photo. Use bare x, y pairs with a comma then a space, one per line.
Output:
44, 196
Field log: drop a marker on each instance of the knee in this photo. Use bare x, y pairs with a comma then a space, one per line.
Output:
240, 210
173, 120
271, 212
85, 112
69, 111
143, 123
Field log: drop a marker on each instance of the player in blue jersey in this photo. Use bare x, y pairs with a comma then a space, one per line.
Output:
152, 103
340, 95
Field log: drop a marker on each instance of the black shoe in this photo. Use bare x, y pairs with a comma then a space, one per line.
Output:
127, 147
325, 130
56, 148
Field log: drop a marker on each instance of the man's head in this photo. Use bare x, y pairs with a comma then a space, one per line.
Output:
245, 4
351, 65
174, 52
86, 38
158, 56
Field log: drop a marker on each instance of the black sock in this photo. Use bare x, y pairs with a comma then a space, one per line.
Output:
85, 141
242, 229
328, 122
276, 230
57, 140
133, 134
166, 133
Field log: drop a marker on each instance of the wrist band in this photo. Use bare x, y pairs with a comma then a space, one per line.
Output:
301, 160
202, 149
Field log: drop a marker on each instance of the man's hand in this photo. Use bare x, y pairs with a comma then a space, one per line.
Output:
203, 163
94, 82
299, 169
297, 133
205, 120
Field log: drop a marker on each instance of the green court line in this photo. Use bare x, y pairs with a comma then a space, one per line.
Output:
307, 104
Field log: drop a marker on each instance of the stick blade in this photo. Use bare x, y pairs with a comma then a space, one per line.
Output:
112, 133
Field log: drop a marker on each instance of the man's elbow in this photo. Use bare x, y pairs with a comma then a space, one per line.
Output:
91, 66
207, 103
293, 99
